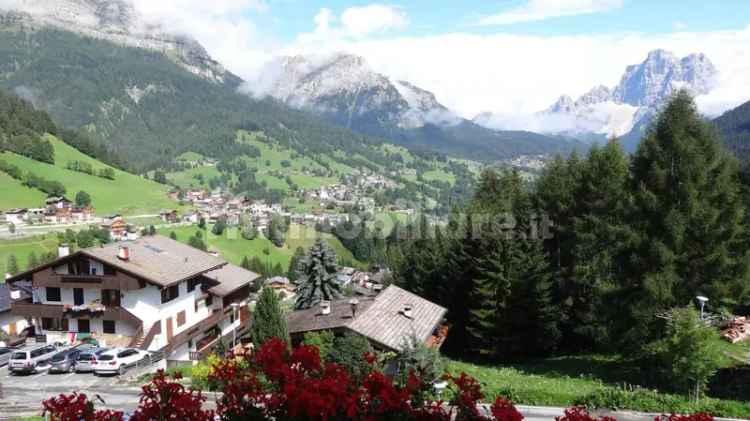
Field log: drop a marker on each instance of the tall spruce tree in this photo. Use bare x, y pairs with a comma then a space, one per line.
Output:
12, 265
686, 222
602, 199
268, 319
318, 276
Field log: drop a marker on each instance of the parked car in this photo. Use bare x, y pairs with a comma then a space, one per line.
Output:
87, 359
27, 361
5, 354
117, 361
65, 360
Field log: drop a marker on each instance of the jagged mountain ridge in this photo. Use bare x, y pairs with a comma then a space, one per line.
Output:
626, 109
123, 93
346, 91
119, 22
344, 87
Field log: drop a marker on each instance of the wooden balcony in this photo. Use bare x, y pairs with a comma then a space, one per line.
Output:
58, 311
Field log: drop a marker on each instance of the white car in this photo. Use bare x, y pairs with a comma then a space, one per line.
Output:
117, 361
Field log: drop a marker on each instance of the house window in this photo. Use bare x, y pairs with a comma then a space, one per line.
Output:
181, 318
108, 326
209, 301
111, 297
169, 294
49, 323
53, 294
109, 270
93, 271
193, 283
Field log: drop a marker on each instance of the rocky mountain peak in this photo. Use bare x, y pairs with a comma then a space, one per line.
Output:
345, 87
661, 74
117, 21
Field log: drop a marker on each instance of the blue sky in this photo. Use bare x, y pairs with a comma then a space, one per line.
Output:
510, 57
291, 17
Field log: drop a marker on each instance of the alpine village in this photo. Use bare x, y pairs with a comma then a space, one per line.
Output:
337, 210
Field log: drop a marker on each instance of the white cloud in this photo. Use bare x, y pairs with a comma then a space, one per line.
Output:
356, 23
221, 26
679, 25
373, 18
536, 10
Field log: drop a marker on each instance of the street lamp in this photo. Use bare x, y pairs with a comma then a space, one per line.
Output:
235, 306
703, 300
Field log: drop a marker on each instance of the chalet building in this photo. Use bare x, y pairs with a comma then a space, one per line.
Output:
115, 224
10, 323
153, 293
55, 202
16, 216
387, 320
169, 216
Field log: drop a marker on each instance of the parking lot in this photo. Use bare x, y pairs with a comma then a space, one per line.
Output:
44, 379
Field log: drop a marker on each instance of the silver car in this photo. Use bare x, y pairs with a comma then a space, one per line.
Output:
64, 361
28, 361
87, 360
5, 354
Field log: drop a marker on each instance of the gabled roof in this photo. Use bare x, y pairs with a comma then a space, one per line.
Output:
380, 319
158, 259
5, 299
230, 278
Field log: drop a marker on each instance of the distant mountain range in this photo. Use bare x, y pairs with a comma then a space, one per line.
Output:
128, 97
626, 109
346, 91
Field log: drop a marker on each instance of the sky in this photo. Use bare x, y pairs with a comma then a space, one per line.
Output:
510, 57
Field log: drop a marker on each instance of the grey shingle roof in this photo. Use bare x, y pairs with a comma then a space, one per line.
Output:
385, 323
230, 278
5, 299
159, 259
311, 319
380, 319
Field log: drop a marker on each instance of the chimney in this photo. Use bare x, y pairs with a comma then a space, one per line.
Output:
408, 311
353, 303
325, 307
123, 253
63, 250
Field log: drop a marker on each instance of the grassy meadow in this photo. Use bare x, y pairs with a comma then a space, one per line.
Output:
127, 194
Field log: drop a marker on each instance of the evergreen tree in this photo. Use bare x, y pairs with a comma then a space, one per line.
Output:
295, 264
12, 265
318, 280
32, 261
268, 319
603, 198
173, 235
686, 222
219, 227
257, 266
82, 199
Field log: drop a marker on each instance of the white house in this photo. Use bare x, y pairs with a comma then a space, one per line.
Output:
10, 323
152, 293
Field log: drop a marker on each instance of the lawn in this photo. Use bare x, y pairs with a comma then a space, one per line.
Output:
22, 248
13, 194
186, 179
234, 248
127, 194
567, 380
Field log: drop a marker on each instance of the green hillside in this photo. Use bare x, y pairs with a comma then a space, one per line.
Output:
234, 248
13, 194
127, 193
22, 248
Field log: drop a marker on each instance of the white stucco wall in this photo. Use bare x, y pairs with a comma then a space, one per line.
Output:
6, 318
